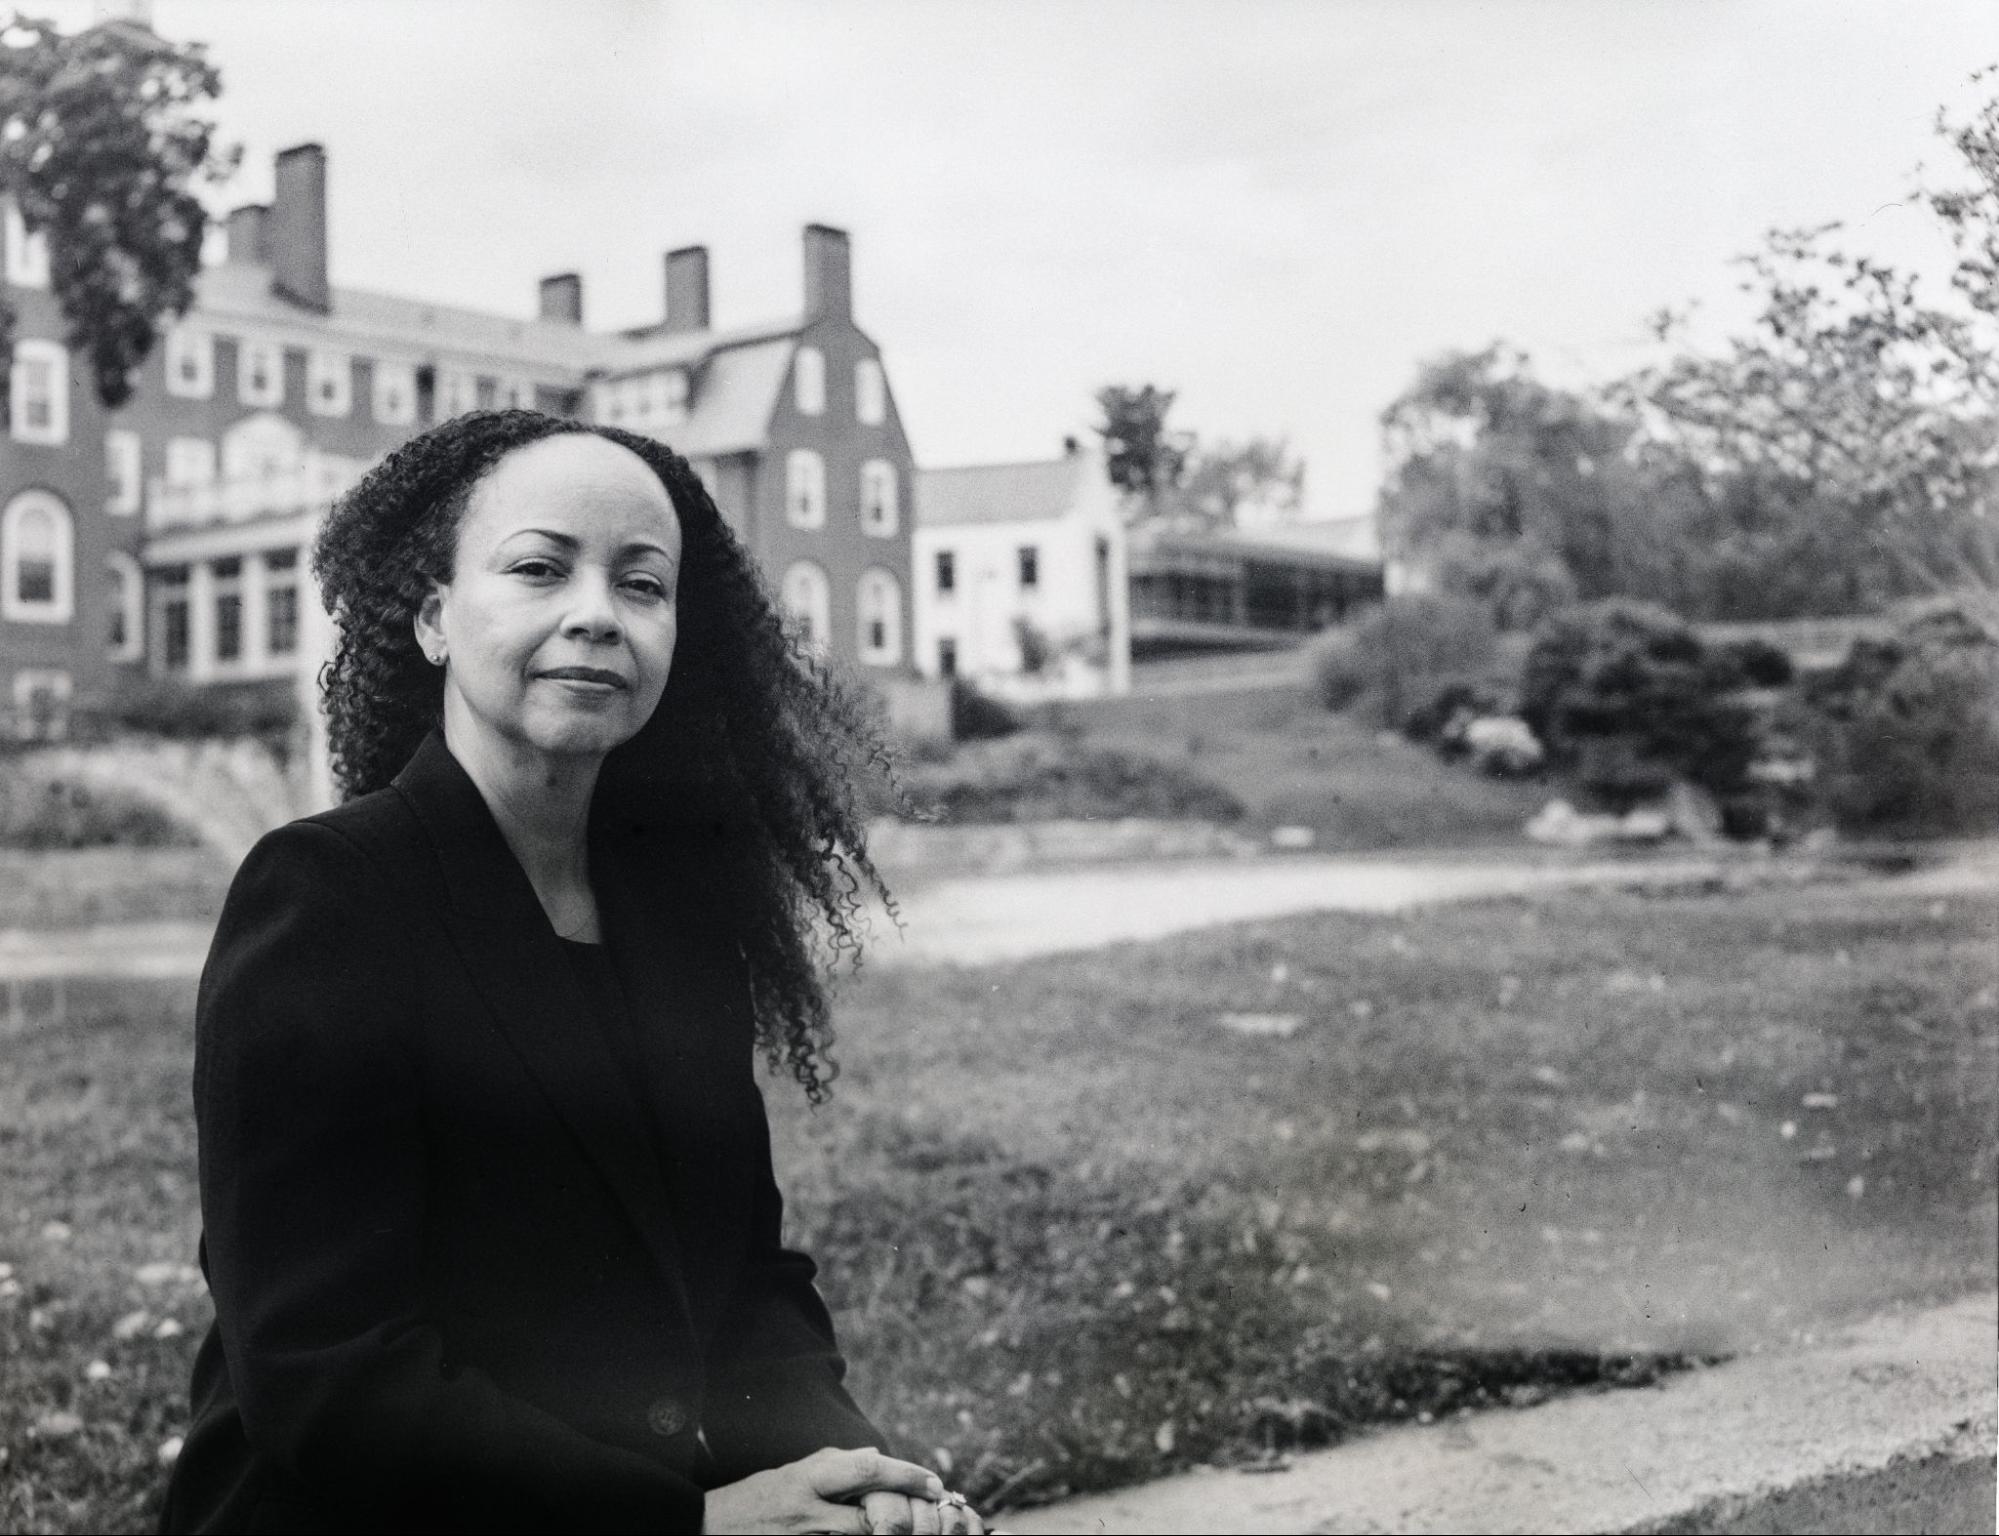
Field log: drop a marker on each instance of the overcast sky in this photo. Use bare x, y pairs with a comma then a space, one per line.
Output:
1277, 209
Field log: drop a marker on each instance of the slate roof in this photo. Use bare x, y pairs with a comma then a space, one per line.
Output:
1000, 493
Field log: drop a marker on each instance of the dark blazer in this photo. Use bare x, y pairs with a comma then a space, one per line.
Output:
454, 1286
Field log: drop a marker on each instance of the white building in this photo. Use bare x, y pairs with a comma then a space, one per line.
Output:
1020, 578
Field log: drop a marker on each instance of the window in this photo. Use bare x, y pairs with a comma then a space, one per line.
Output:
38, 408
121, 469
190, 363
281, 602
808, 599
394, 404
666, 397
947, 571
604, 404
171, 616
870, 392
880, 613
260, 372
805, 489
947, 657
808, 381
457, 393
41, 704
124, 637
227, 577
37, 556
880, 514
329, 388
518, 393
190, 462
1030, 568
27, 254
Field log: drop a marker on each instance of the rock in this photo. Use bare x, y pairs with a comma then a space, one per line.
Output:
1292, 838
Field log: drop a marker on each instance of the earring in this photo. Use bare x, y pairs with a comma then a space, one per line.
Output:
435, 658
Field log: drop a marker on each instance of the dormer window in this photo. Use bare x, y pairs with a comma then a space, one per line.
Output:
808, 381
395, 394
329, 385
457, 392
870, 393
260, 373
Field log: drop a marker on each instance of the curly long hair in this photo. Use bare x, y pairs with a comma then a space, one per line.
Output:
754, 752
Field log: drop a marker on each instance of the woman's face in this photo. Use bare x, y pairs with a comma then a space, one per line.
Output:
559, 620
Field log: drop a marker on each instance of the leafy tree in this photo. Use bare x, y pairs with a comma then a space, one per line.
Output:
1143, 458
1223, 482
102, 136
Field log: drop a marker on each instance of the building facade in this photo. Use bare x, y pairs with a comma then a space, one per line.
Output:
1198, 590
172, 536
1021, 584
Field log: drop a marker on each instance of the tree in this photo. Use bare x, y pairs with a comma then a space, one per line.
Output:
102, 136
1143, 458
1855, 397
1221, 483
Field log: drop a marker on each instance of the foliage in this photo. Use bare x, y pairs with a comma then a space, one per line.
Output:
102, 136
1397, 658
1223, 482
1036, 649
160, 706
46, 814
977, 716
1042, 777
1142, 457
1856, 400
1906, 730
1626, 694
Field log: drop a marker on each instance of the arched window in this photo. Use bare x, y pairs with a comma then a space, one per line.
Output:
870, 392
808, 599
880, 617
125, 633
808, 381
880, 511
37, 560
804, 489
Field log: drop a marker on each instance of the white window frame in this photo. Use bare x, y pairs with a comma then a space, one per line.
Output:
128, 595
808, 381
870, 392
124, 469
32, 680
27, 252
457, 392
188, 345
190, 461
30, 355
393, 402
604, 404
276, 579
249, 351
807, 596
516, 392
881, 499
324, 367
60, 606
878, 596
804, 489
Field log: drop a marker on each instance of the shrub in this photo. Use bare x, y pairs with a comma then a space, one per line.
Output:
1625, 694
163, 707
1400, 656
1759, 663
977, 716
1906, 729
53, 813
1039, 777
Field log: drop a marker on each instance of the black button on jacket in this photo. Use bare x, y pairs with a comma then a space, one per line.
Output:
455, 1288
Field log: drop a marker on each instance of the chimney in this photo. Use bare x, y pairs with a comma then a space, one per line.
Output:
295, 233
249, 233
562, 299
829, 282
687, 289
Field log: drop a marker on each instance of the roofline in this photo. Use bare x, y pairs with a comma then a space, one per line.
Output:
954, 469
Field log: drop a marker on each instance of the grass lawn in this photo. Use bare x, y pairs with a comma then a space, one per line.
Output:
1292, 762
1080, 1233
110, 885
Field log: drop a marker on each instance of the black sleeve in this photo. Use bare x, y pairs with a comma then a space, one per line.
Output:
774, 1392
309, 1109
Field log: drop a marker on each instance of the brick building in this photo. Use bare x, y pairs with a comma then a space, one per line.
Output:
172, 535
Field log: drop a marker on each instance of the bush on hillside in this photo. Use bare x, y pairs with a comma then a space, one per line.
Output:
45, 814
1041, 777
977, 716
1399, 657
1625, 694
1906, 730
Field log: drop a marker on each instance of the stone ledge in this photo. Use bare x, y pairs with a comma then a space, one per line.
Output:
1888, 1428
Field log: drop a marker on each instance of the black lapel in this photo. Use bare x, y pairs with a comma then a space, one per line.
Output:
532, 991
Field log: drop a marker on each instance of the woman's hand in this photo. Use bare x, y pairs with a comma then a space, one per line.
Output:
822, 1492
899, 1513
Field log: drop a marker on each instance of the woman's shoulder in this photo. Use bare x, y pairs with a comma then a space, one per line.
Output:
353, 851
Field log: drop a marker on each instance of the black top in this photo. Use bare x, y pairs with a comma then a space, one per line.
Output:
492, 1231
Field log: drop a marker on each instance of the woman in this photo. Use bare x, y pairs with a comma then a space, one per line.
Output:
486, 1188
